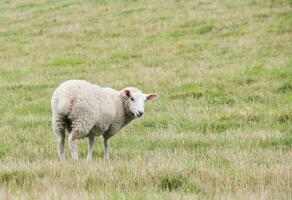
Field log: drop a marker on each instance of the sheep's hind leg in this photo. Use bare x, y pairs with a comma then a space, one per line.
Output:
106, 147
80, 129
72, 142
90, 146
59, 130
61, 144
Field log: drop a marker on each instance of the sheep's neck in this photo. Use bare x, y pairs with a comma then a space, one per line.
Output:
122, 119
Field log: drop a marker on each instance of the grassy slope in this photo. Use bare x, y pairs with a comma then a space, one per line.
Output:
222, 127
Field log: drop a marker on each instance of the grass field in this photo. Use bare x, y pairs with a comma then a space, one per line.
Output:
221, 129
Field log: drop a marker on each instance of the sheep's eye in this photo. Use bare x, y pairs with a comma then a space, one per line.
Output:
132, 99
145, 100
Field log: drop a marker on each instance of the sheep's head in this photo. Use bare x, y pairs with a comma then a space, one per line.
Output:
134, 101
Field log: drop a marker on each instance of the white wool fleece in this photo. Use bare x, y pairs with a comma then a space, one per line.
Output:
87, 110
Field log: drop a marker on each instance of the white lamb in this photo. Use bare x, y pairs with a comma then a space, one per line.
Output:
87, 110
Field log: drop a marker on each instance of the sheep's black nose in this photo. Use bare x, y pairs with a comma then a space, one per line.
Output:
140, 114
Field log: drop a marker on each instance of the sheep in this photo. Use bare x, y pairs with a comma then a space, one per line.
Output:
87, 110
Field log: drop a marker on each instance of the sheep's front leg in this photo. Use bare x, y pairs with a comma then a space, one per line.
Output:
90, 147
106, 148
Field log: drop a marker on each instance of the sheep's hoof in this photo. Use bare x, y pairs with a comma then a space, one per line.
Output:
75, 158
89, 158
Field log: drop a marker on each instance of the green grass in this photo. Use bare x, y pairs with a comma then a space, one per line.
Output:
220, 129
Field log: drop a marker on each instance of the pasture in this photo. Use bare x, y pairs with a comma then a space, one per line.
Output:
221, 129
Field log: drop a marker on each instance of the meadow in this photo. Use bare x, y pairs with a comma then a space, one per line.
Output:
221, 129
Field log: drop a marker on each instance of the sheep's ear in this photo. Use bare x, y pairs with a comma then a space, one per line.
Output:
152, 97
127, 93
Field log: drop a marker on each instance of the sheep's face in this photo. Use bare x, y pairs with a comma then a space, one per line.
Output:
134, 101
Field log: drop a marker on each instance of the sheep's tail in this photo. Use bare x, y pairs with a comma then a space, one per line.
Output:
64, 106
61, 106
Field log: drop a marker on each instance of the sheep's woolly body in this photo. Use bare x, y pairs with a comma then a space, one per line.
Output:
89, 108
